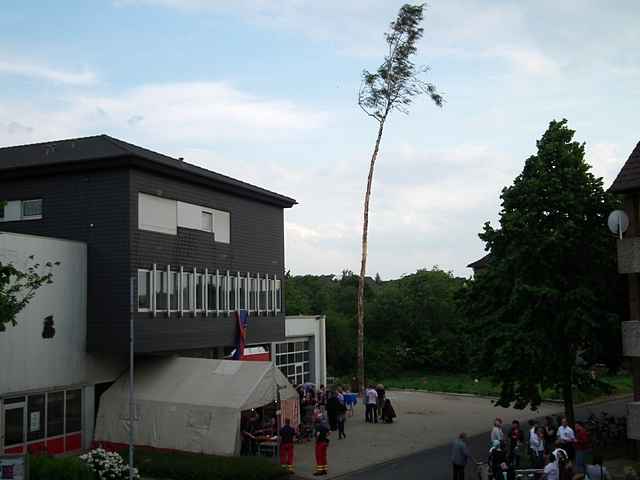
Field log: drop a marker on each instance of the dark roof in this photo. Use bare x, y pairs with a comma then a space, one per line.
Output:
103, 151
629, 177
482, 263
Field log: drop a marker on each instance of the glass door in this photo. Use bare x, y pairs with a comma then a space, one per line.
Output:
14, 425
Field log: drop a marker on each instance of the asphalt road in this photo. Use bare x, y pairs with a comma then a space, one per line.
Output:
434, 464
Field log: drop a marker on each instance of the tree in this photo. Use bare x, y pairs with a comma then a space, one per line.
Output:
18, 287
391, 88
543, 299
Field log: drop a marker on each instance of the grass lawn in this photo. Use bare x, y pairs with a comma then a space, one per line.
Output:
192, 466
461, 383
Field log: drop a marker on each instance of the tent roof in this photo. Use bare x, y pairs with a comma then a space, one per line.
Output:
206, 382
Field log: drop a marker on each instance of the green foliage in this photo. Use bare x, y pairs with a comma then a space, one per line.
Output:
412, 322
17, 288
191, 466
397, 80
42, 467
550, 290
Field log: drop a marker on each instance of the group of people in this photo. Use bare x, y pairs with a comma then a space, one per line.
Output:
377, 405
556, 449
328, 410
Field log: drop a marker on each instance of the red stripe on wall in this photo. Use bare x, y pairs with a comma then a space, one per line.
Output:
74, 442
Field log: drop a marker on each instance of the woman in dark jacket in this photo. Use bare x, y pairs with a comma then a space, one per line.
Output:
332, 410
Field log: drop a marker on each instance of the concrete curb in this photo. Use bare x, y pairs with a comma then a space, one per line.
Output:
488, 397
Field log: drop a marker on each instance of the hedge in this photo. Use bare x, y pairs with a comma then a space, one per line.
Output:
192, 466
42, 467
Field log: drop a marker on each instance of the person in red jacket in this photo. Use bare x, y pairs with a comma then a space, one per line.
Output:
287, 434
582, 446
322, 443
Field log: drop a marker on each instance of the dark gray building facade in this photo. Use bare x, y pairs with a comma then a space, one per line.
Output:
195, 245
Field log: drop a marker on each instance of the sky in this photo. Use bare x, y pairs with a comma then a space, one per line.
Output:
266, 91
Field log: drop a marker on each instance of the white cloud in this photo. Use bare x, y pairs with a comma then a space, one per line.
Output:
27, 69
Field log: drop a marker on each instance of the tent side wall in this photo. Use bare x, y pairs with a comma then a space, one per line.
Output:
164, 425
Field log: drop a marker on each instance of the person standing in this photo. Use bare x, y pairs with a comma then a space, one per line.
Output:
380, 403
341, 411
287, 434
516, 437
322, 396
536, 444
583, 447
371, 407
550, 434
322, 444
332, 410
551, 469
567, 438
459, 456
597, 471
497, 435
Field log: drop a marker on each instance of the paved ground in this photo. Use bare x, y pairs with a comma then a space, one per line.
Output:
434, 463
425, 421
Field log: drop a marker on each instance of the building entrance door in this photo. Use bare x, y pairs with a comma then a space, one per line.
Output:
14, 426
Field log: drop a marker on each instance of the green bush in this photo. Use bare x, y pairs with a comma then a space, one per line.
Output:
42, 467
192, 466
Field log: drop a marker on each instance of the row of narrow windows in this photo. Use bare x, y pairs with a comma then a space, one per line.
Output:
166, 289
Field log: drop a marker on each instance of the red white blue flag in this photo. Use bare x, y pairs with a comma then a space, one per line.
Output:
242, 317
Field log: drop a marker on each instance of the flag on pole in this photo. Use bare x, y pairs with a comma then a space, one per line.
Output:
242, 317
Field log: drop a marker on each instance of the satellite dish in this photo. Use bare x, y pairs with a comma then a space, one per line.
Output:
618, 222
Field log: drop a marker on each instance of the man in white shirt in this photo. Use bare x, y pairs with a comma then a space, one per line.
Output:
497, 435
567, 437
371, 402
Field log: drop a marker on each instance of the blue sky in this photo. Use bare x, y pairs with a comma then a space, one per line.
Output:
266, 91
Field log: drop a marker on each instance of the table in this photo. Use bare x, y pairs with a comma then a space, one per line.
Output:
350, 399
268, 448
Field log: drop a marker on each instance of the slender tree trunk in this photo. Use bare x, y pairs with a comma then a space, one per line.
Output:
363, 263
567, 397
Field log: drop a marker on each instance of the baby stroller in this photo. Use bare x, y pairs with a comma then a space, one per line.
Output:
388, 413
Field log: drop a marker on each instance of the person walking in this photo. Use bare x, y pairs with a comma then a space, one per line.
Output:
459, 456
341, 415
322, 444
371, 406
287, 434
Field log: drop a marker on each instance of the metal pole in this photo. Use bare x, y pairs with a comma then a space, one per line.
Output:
131, 401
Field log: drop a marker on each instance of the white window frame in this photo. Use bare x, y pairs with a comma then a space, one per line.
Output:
217, 292
149, 309
202, 292
258, 294
205, 294
226, 293
278, 294
181, 293
31, 217
171, 275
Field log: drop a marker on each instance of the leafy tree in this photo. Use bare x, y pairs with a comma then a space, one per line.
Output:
18, 287
392, 86
543, 299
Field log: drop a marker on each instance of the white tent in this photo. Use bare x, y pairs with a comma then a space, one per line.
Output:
189, 404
